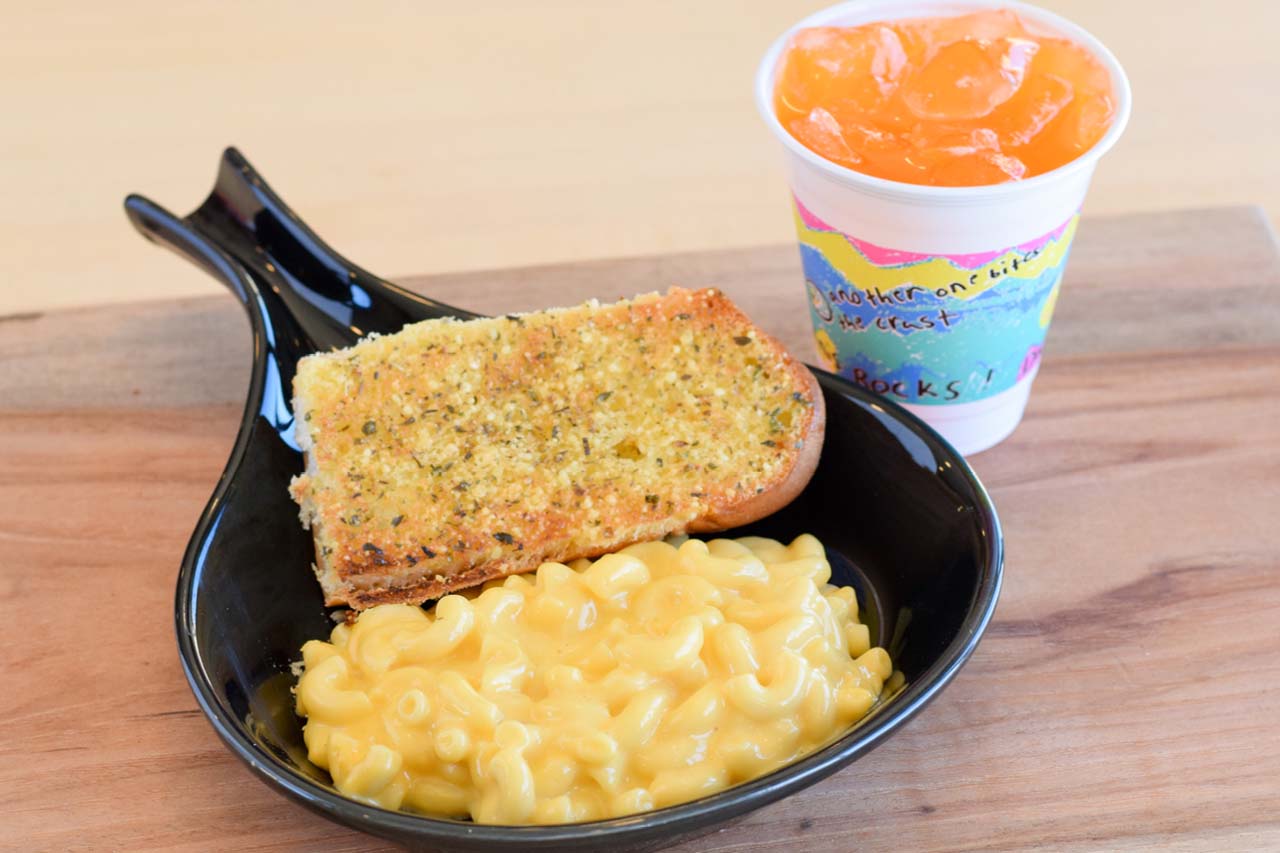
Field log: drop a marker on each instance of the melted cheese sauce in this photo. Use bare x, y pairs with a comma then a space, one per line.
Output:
645, 678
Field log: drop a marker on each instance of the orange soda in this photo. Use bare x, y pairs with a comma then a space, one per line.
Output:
971, 100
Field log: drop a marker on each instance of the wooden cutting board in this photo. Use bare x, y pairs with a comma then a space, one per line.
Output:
1126, 697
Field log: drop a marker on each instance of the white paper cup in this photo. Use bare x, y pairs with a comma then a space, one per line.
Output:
936, 297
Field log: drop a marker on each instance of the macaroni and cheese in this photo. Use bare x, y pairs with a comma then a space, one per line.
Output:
645, 678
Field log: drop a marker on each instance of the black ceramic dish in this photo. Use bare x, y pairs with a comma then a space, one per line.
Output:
903, 517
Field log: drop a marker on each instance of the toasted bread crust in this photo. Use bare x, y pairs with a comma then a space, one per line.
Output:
389, 547
788, 487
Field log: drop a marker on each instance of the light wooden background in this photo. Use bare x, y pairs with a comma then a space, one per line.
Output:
1125, 697
433, 136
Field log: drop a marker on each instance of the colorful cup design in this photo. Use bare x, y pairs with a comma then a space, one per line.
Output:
936, 297
930, 329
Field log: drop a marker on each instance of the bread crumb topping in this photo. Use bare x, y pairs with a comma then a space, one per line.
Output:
451, 444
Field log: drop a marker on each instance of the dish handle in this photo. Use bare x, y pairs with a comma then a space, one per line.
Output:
300, 295
248, 238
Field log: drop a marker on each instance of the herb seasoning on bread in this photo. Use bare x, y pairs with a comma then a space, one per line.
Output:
453, 452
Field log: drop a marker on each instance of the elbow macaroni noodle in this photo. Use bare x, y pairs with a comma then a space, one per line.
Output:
645, 678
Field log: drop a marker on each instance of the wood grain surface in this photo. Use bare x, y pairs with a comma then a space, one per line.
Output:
436, 136
1126, 696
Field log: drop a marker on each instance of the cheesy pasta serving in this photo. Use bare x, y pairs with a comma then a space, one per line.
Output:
645, 678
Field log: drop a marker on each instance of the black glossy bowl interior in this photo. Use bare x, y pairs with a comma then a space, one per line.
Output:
903, 518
